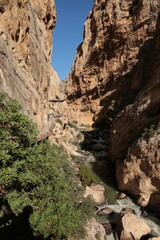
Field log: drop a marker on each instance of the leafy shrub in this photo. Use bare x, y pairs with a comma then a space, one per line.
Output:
87, 175
36, 177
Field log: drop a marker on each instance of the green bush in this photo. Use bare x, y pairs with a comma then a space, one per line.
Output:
36, 176
87, 175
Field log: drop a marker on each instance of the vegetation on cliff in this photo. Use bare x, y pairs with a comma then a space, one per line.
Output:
38, 190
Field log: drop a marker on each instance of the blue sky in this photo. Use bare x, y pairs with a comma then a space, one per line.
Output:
68, 33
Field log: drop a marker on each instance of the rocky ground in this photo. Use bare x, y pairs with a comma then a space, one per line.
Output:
88, 146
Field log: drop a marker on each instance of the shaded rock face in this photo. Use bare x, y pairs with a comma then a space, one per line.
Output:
26, 28
137, 127
116, 77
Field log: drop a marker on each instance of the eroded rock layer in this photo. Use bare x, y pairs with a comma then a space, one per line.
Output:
115, 78
26, 28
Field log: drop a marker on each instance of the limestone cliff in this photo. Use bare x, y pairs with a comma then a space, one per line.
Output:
114, 33
26, 28
115, 78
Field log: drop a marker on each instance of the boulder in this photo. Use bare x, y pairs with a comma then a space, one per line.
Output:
96, 192
94, 230
106, 211
129, 226
122, 195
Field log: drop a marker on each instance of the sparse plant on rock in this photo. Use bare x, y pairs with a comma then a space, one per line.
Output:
112, 105
72, 125
149, 131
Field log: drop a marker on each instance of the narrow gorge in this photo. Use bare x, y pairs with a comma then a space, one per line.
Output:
114, 82
105, 115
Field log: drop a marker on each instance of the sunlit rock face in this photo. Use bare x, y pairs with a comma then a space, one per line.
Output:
26, 28
139, 173
114, 33
116, 77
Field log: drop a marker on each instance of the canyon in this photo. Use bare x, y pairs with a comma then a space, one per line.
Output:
114, 83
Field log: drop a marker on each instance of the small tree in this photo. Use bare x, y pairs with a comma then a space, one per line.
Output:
39, 176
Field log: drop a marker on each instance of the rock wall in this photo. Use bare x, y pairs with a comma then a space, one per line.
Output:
114, 33
115, 78
26, 28
136, 130
139, 173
